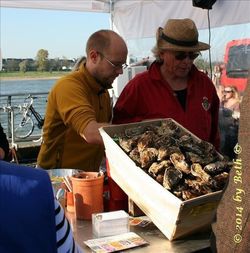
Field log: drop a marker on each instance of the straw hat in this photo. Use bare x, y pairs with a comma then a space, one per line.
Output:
180, 35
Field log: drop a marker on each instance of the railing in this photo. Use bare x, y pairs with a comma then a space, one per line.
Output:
10, 105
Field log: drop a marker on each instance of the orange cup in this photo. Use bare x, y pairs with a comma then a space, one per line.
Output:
88, 194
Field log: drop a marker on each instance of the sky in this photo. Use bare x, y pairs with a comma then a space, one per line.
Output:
64, 34
219, 38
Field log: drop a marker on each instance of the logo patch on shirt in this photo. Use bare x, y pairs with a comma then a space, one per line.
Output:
205, 104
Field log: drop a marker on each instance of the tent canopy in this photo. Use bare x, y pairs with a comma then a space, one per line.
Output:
141, 18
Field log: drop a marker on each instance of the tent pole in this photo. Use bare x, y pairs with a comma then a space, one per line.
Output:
111, 11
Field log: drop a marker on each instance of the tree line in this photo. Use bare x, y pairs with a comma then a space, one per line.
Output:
40, 63
43, 63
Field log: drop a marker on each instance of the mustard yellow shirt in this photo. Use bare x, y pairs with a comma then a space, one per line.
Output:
73, 102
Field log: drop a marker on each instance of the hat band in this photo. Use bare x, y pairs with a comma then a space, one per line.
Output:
179, 42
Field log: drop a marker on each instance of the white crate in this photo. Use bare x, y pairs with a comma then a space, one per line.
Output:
175, 218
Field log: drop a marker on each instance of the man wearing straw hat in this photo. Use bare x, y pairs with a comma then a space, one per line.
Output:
173, 87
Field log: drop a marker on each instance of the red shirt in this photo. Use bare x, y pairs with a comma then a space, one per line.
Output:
149, 96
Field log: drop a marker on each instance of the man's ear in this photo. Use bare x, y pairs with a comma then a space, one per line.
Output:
93, 55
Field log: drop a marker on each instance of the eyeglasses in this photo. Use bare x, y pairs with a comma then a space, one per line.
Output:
116, 66
228, 91
180, 56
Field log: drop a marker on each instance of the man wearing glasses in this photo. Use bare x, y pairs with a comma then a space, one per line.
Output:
79, 104
173, 87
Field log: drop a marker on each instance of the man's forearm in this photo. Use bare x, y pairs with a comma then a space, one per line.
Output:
91, 133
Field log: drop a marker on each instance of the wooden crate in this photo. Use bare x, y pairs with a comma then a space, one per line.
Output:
174, 217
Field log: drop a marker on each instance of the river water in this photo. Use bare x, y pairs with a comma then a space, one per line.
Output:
17, 90
25, 86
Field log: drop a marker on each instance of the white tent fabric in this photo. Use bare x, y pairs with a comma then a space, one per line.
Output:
67, 5
140, 18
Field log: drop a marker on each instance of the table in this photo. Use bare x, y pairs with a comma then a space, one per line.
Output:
82, 230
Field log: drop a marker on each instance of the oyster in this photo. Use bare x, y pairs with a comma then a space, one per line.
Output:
128, 144
172, 177
162, 153
168, 128
197, 171
221, 180
217, 167
187, 194
165, 152
165, 141
146, 140
134, 131
177, 190
178, 160
188, 144
147, 157
194, 158
135, 156
157, 168
207, 147
198, 187
208, 158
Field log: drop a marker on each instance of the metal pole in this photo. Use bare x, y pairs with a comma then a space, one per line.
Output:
13, 144
111, 11
9, 117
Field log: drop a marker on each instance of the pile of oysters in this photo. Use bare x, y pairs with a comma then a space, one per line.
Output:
178, 160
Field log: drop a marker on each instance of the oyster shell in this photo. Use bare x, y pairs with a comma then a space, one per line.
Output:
135, 156
165, 141
198, 187
157, 168
217, 167
221, 180
128, 144
197, 171
147, 157
187, 194
172, 177
165, 152
178, 160
168, 128
146, 140
194, 158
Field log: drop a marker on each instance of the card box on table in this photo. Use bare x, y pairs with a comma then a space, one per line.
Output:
110, 223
